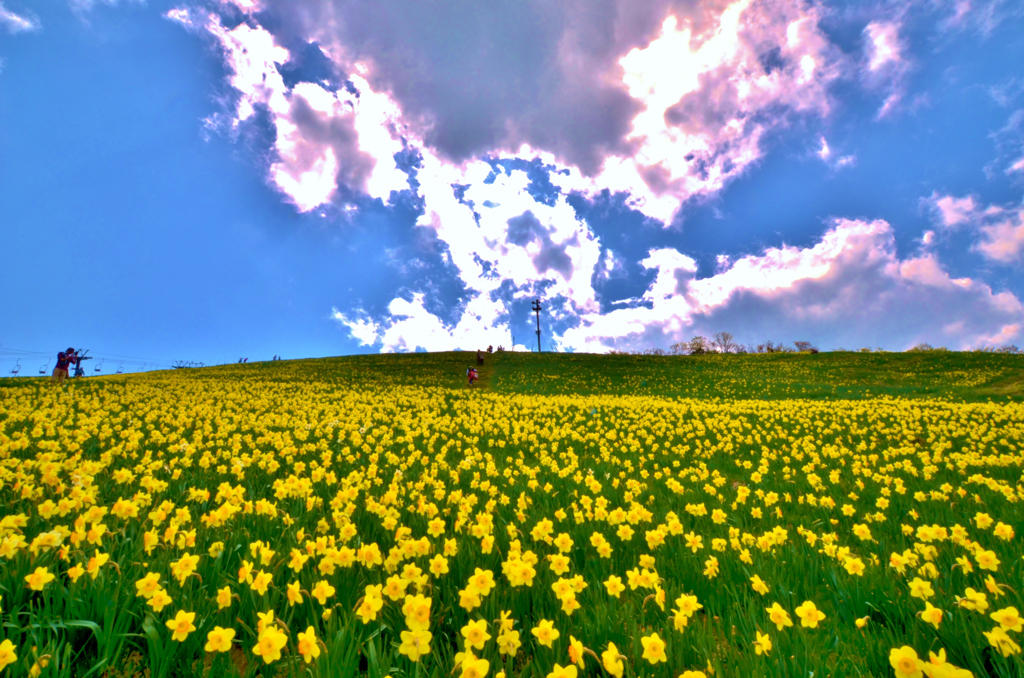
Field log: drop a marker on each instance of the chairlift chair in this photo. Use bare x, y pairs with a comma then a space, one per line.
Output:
16, 368
44, 368
79, 370
120, 368
98, 368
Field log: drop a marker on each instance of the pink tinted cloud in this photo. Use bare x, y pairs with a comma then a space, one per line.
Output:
952, 212
23, 22
1002, 235
324, 138
999, 230
849, 287
708, 99
885, 67
703, 90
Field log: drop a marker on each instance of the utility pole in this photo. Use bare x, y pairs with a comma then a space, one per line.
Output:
536, 309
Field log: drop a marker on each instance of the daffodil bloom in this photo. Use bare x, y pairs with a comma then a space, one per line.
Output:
38, 579
182, 625
415, 643
245, 572
615, 586
611, 659
987, 560
560, 671
183, 568
545, 632
294, 594
371, 604
1008, 619
96, 562
159, 600
482, 582
261, 581
654, 648
999, 639
8, 654
269, 644
475, 633
932, 615
219, 639
809, 614
779, 616
905, 662
509, 643
438, 565
76, 571
576, 651
505, 623
266, 620
973, 600
308, 646
148, 585
474, 668
763, 644
919, 588
322, 591
224, 597
758, 585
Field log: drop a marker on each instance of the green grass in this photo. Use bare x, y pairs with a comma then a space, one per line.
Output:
964, 377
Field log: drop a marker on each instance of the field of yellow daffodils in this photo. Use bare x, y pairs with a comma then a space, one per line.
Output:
381, 518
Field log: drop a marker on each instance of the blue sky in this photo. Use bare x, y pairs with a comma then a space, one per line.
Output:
210, 180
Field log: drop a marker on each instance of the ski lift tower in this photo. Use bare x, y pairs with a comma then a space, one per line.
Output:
536, 309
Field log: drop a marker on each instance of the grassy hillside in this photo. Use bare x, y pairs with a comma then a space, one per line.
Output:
968, 377
763, 515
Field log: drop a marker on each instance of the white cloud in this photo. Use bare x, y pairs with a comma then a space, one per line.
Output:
1002, 235
952, 212
849, 288
324, 138
17, 23
883, 47
410, 327
885, 68
834, 161
701, 95
999, 229
708, 100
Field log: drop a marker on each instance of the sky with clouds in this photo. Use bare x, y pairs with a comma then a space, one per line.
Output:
211, 179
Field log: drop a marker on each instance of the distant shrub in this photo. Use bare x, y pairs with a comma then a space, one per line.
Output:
924, 348
773, 347
1009, 349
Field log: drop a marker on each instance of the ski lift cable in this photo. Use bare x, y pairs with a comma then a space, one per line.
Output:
113, 356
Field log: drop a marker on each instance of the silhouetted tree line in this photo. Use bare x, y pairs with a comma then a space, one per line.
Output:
725, 342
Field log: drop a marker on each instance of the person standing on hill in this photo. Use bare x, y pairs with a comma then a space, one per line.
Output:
64, 360
471, 375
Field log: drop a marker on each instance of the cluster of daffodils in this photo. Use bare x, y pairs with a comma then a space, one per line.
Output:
303, 524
